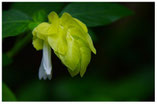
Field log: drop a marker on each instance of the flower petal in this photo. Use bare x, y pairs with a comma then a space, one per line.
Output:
72, 56
84, 27
74, 72
58, 42
74, 26
37, 43
53, 18
47, 58
78, 34
85, 59
42, 31
67, 21
90, 42
42, 73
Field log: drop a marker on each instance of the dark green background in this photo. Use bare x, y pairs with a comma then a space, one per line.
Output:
122, 69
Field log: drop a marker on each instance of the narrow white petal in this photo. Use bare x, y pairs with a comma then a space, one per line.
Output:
45, 66
47, 58
42, 73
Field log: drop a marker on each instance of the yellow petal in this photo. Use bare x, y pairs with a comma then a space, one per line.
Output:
84, 27
75, 30
90, 42
42, 31
78, 34
85, 59
53, 18
37, 43
58, 41
74, 72
67, 21
58, 44
72, 56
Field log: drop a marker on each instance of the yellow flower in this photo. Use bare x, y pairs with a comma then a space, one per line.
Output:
69, 39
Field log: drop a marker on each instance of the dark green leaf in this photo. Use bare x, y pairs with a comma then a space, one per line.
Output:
31, 7
14, 22
32, 25
97, 14
7, 94
6, 60
92, 34
40, 16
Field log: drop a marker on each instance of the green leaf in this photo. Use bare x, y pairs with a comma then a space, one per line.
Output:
40, 16
33, 24
92, 34
31, 7
14, 23
97, 14
6, 60
7, 94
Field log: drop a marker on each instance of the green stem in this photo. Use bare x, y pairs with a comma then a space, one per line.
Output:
19, 45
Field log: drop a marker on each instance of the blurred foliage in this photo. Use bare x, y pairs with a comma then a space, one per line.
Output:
88, 89
7, 94
38, 17
32, 7
19, 44
96, 14
15, 22
6, 60
122, 70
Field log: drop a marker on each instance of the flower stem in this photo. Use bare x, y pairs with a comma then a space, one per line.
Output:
19, 45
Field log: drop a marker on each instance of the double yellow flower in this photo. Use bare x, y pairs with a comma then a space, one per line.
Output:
69, 39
